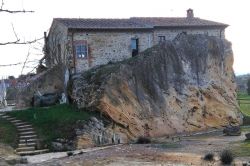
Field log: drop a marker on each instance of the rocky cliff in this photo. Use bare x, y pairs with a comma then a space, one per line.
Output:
183, 85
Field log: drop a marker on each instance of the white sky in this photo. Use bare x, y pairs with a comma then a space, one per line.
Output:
32, 25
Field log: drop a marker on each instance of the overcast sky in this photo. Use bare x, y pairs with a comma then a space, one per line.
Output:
32, 25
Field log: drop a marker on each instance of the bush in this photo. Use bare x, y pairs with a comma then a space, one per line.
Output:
209, 157
70, 153
143, 140
226, 157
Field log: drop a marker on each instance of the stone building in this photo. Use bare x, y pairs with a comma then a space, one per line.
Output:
81, 44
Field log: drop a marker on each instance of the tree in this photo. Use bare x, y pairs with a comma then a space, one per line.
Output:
248, 86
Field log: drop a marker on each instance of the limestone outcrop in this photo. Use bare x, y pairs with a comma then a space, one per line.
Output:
178, 86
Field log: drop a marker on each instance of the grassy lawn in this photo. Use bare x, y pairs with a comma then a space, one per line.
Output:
241, 95
53, 122
242, 150
8, 134
244, 102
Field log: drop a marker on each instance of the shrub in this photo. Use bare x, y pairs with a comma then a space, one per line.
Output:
143, 140
226, 157
209, 157
70, 153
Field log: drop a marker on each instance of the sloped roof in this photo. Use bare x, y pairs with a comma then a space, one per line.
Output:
137, 23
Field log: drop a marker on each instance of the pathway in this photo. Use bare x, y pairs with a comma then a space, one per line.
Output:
188, 151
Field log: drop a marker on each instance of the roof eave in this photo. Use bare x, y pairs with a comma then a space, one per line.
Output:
192, 26
108, 29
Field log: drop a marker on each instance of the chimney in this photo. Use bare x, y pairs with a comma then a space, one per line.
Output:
190, 13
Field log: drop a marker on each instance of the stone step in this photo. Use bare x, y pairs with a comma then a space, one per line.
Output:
25, 129
25, 145
1, 114
27, 133
28, 148
20, 123
6, 116
28, 140
15, 121
34, 152
10, 119
23, 126
28, 136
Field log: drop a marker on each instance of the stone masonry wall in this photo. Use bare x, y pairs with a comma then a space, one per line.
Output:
171, 34
57, 38
105, 47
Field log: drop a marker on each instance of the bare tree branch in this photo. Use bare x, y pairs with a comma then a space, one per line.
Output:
2, 4
13, 11
17, 41
14, 31
23, 42
16, 11
25, 61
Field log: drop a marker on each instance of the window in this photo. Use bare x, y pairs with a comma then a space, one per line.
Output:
81, 50
161, 39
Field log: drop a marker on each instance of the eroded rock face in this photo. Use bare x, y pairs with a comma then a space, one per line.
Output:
183, 85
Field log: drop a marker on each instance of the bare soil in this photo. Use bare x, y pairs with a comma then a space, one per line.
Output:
188, 150
7, 155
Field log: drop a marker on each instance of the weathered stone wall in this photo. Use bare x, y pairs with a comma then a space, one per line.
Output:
105, 47
172, 33
56, 51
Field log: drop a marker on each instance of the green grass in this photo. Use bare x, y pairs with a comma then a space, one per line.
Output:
241, 95
8, 134
242, 150
54, 122
245, 108
245, 128
244, 102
